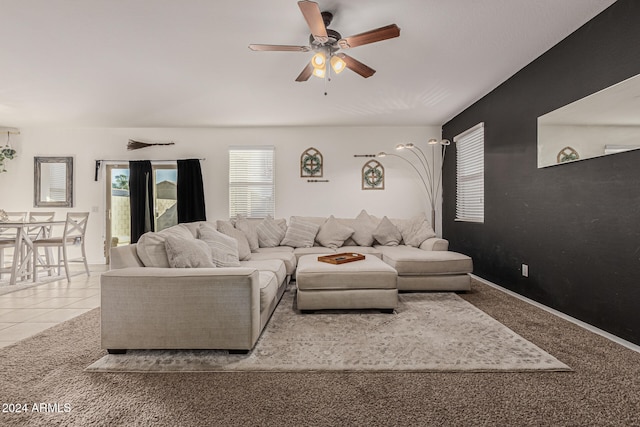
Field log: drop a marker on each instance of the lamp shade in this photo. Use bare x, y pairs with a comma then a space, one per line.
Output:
319, 72
318, 60
337, 64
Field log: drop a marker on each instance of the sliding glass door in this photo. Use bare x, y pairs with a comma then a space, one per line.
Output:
118, 210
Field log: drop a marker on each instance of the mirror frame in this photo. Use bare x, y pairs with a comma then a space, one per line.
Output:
37, 176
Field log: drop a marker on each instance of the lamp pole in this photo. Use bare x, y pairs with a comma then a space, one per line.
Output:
433, 185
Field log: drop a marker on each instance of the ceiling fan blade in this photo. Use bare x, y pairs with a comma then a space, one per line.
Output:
357, 66
311, 12
278, 48
379, 34
306, 73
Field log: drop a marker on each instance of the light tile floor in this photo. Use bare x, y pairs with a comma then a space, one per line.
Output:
26, 312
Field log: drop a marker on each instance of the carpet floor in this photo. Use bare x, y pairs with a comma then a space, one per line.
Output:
602, 390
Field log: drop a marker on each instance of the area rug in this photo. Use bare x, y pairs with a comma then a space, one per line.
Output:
429, 332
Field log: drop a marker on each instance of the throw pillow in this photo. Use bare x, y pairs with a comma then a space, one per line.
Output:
386, 233
249, 231
224, 249
300, 234
244, 251
150, 246
332, 234
416, 230
270, 234
363, 228
188, 253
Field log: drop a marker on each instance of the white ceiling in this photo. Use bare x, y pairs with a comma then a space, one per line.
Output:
185, 63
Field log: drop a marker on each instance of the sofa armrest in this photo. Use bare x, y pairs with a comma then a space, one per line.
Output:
435, 244
124, 256
170, 308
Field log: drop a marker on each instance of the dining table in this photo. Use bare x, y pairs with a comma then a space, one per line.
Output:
25, 233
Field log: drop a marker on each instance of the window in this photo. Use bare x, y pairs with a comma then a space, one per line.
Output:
470, 174
251, 182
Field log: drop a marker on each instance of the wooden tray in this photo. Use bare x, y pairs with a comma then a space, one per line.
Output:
341, 258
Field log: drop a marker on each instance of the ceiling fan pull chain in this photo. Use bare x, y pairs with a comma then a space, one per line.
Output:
327, 77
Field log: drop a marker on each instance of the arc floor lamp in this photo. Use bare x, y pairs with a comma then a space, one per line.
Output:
430, 175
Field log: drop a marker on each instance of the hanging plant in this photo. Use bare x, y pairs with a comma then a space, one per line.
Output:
6, 153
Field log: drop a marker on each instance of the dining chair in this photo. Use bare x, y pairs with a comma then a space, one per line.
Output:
8, 235
75, 228
41, 232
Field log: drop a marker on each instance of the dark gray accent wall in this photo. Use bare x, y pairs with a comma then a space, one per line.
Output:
577, 225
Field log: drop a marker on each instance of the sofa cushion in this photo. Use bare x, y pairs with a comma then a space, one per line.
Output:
249, 230
288, 258
386, 233
365, 250
300, 233
413, 261
187, 253
224, 249
275, 266
316, 250
363, 228
225, 227
332, 233
268, 289
415, 230
151, 249
270, 233
275, 249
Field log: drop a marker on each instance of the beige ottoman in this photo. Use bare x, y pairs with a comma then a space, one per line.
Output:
369, 283
420, 270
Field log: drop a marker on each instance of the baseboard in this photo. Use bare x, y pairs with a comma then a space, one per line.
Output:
562, 315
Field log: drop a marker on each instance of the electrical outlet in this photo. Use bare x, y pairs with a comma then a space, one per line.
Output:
525, 270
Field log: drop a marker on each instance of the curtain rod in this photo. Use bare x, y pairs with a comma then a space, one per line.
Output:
99, 163
127, 161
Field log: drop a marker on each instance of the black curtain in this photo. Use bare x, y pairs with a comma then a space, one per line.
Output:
190, 191
141, 198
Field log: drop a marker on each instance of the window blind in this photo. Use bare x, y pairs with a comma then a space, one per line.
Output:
251, 181
470, 174
57, 182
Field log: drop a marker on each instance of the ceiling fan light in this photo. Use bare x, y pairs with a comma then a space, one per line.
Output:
319, 72
338, 64
318, 60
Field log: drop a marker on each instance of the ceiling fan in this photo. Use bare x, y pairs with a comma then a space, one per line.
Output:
327, 43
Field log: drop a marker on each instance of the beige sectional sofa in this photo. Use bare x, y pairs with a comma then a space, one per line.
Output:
238, 271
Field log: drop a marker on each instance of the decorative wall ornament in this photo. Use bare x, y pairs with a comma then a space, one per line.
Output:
567, 154
373, 176
311, 163
317, 180
136, 145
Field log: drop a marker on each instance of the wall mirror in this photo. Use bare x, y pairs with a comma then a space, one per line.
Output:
53, 182
606, 122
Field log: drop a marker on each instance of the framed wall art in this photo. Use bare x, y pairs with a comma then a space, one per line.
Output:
373, 176
311, 163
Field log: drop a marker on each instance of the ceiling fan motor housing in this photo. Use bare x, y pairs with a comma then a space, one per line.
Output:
332, 43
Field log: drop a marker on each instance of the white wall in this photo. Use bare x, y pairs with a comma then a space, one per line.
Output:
342, 196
